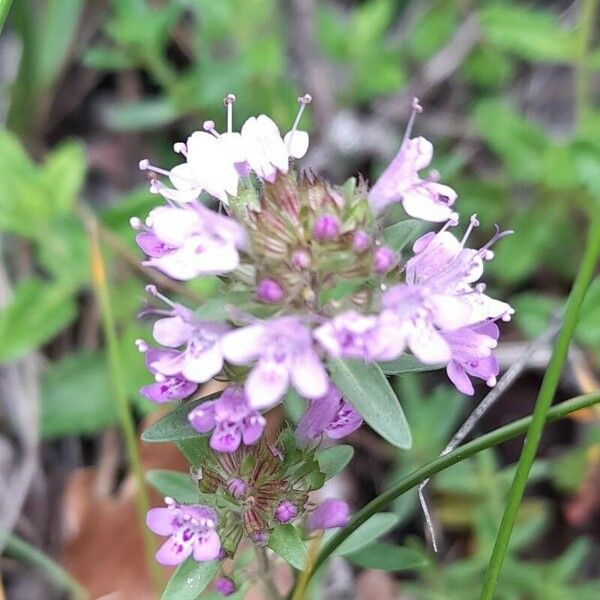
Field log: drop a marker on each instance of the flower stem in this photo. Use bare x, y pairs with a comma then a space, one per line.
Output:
266, 575
439, 464
125, 418
543, 402
22, 550
581, 74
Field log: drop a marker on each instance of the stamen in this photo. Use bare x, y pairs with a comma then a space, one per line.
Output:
303, 101
145, 165
210, 127
169, 500
473, 222
159, 378
483, 251
415, 109
228, 101
151, 289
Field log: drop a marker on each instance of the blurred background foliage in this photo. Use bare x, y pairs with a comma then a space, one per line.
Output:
89, 88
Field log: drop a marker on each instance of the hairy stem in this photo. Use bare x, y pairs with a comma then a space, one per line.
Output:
439, 464
543, 402
266, 574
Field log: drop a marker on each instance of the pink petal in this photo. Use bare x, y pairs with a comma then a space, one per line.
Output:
244, 345
226, 437
202, 417
202, 366
173, 551
207, 546
459, 378
308, 375
172, 331
162, 521
266, 384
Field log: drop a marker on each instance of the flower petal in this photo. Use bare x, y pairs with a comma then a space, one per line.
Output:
244, 345
207, 546
266, 384
173, 552
309, 375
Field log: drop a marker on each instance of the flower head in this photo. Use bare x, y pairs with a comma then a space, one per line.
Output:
191, 530
330, 415
421, 198
230, 419
184, 242
285, 512
283, 352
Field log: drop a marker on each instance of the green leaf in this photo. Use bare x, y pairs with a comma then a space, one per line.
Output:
174, 484
367, 389
399, 234
141, 115
175, 426
518, 142
218, 308
333, 460
190, 579
534, 35
76, 397
368, 532
286, 541
59, 20
37, 312
387, 557
63, 175
110, 59
406, 364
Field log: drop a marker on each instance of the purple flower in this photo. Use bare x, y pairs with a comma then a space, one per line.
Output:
166, 388
421, 198
301, 260
326, 227
191, 531
202, 359
230, 419
260, 538
383, 260
269, 291
224, 586
285, 512
330, 513
190, 241
265, 151
284, 352
351, 335
472, 355
330, 415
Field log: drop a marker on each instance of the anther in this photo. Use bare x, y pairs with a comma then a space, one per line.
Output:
180, 148
145, 165
228, 102
210, 127
136, 223
303, 101
141, 345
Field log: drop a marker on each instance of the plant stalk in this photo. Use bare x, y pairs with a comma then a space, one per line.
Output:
439, 464
543, 402
4, 8
125, 418
582, 76
266, 574
25, 552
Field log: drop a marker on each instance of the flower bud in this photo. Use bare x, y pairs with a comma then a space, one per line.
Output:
236, 487
330, 513
285, 512
383, 260
301, 260
327, 227
361, 241
269, 291
224, 586
260, 538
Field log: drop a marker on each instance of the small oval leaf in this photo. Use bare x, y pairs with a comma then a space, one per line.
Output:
190, 579
286, 541
407, 363
387, 557
174, 484
333, 460
175, 426
368, 532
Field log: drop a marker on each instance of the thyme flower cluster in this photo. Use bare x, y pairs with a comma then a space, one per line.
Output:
307, 277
